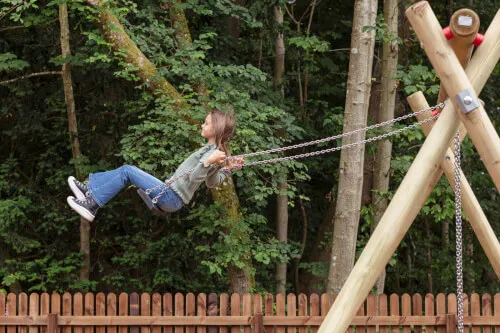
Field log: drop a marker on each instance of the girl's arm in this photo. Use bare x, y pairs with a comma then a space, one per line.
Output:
216, 178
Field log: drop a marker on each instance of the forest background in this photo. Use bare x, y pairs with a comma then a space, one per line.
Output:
88, 85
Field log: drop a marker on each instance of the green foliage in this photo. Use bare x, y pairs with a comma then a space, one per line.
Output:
419, 78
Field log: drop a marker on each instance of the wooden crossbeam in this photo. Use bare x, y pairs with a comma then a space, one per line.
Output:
421, 177
455, 80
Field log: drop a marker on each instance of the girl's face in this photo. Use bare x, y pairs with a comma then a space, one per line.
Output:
208, 130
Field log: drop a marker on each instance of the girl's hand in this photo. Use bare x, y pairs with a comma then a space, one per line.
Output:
236, 163
216, 157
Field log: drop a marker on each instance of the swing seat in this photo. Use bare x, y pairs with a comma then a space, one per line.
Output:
149, 202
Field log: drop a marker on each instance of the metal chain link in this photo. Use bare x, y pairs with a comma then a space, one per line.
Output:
324, 151
340, 136
458, 226
169, 182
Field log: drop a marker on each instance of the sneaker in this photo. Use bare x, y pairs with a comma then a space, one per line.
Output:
79, 189
87, 208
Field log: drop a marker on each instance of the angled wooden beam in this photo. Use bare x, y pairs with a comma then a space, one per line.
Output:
470, 204
410, 196
458, 86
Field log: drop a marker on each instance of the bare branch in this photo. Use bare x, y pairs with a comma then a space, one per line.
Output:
28, 76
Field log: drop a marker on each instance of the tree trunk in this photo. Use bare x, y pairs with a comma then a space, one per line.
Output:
282, 197
345, 229
73, 133
388, 100
114, 33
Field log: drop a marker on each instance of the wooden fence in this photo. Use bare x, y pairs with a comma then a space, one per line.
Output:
168, 313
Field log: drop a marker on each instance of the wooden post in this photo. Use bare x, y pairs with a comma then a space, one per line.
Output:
464, 25
481, 130
409, 198
451, 323
52, 326
213, 310
470, 204
259, 323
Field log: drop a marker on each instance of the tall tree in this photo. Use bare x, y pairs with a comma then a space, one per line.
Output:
348, 203
282, 197
387, 104
73, 132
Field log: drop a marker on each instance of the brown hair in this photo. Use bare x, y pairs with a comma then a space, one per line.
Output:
224, 124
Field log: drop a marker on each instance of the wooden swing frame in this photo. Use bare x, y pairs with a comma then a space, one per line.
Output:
433, 157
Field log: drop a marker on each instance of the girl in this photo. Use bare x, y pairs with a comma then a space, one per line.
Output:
218, 128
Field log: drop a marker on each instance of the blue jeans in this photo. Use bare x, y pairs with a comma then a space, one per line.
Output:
103, 186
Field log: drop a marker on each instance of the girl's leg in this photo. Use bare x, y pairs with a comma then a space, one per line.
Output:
103, 186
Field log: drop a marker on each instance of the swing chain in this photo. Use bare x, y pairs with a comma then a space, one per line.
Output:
350, 145
441, 105
458, 226
340, 136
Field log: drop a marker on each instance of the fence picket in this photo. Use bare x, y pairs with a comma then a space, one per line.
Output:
55, 307
257, 310
291, 310
145, 309
134, 310
111, 311
2, 310
280, 310
302, 300
247, 310
429, 310
441, 310
89, 310
201, 310
486, 310
179, 310
235, 311
406, 310
23, 311
268, 308
452, 303
34, 310
496, 313
44, 309
11, 310
383, 311
475, 310
168, 310
156, 310
66, 309
190, 310
314, 308
394, 310
123, 310
213, 310
224, 310
78, 310
417, 311
100, 310
371, 310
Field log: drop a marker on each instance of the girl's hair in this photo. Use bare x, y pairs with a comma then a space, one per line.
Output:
224, 124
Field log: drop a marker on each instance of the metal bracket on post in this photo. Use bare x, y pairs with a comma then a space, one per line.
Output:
467, 101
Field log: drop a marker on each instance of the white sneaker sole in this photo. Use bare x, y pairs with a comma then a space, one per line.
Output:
80, 210
79, 194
